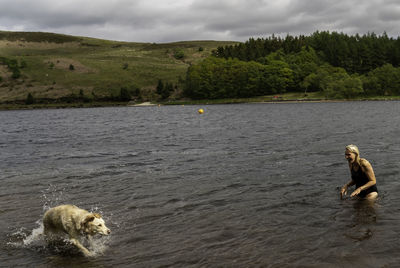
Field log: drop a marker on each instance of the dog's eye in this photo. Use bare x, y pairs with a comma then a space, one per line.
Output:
99, 224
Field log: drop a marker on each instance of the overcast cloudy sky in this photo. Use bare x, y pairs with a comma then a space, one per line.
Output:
180, 20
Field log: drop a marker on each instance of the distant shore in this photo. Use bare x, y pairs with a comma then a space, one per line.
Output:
275, 101
8, 106
19, 106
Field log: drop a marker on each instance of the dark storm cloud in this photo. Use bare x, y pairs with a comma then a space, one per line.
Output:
168, 20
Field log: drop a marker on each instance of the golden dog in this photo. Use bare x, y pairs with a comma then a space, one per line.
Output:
75, 222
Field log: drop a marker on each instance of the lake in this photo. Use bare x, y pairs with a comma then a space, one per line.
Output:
243, 185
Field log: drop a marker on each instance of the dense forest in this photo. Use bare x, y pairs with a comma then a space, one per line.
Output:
339, 65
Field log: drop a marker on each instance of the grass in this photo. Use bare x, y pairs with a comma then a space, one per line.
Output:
101, 67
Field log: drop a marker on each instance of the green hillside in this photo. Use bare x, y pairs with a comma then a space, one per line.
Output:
54, 67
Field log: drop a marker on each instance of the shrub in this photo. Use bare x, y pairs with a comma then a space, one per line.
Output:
160, 87
16, 73
29, 99
179, 54
124, 94
22, 64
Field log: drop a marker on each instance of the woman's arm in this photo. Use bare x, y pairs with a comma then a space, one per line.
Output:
347, 185
344, 188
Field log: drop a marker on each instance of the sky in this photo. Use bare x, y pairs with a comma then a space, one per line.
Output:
162, 21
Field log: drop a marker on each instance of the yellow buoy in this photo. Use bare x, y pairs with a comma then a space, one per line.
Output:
201, 111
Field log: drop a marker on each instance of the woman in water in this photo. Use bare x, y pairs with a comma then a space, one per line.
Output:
362, 175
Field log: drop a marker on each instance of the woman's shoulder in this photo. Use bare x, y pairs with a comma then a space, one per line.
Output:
364, 163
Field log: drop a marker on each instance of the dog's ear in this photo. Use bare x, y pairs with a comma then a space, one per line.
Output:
97, 215
88, 218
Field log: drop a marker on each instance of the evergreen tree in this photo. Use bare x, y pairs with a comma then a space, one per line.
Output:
167, 90
356, 54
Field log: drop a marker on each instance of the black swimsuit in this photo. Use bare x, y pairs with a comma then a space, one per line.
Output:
360, 178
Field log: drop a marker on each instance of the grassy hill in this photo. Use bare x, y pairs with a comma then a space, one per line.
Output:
56, 67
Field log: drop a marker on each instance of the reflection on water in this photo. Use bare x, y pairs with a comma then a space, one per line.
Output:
364, 220
251, 185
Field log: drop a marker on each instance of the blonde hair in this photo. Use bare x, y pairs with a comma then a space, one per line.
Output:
354, 149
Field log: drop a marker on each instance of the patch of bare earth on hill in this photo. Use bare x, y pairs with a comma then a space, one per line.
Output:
4, 72
65, 64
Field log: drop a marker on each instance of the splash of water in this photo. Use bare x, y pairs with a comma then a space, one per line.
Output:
99, 245
23, 238
35, 236
35, 240
52, 196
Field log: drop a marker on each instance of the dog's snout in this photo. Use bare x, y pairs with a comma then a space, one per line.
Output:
108, 231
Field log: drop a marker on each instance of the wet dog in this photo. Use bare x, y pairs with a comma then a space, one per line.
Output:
75, 222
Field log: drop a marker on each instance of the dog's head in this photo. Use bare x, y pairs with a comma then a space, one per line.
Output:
94, 224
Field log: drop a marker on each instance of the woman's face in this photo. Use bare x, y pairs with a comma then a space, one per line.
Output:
350, 156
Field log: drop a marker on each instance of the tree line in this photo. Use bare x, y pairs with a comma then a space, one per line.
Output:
354, 53
335, 63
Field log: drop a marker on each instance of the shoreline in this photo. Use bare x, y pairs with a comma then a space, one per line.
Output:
325, 101
143, 104
10, 107
238, 101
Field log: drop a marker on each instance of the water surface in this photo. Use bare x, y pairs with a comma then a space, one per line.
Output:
249, 185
